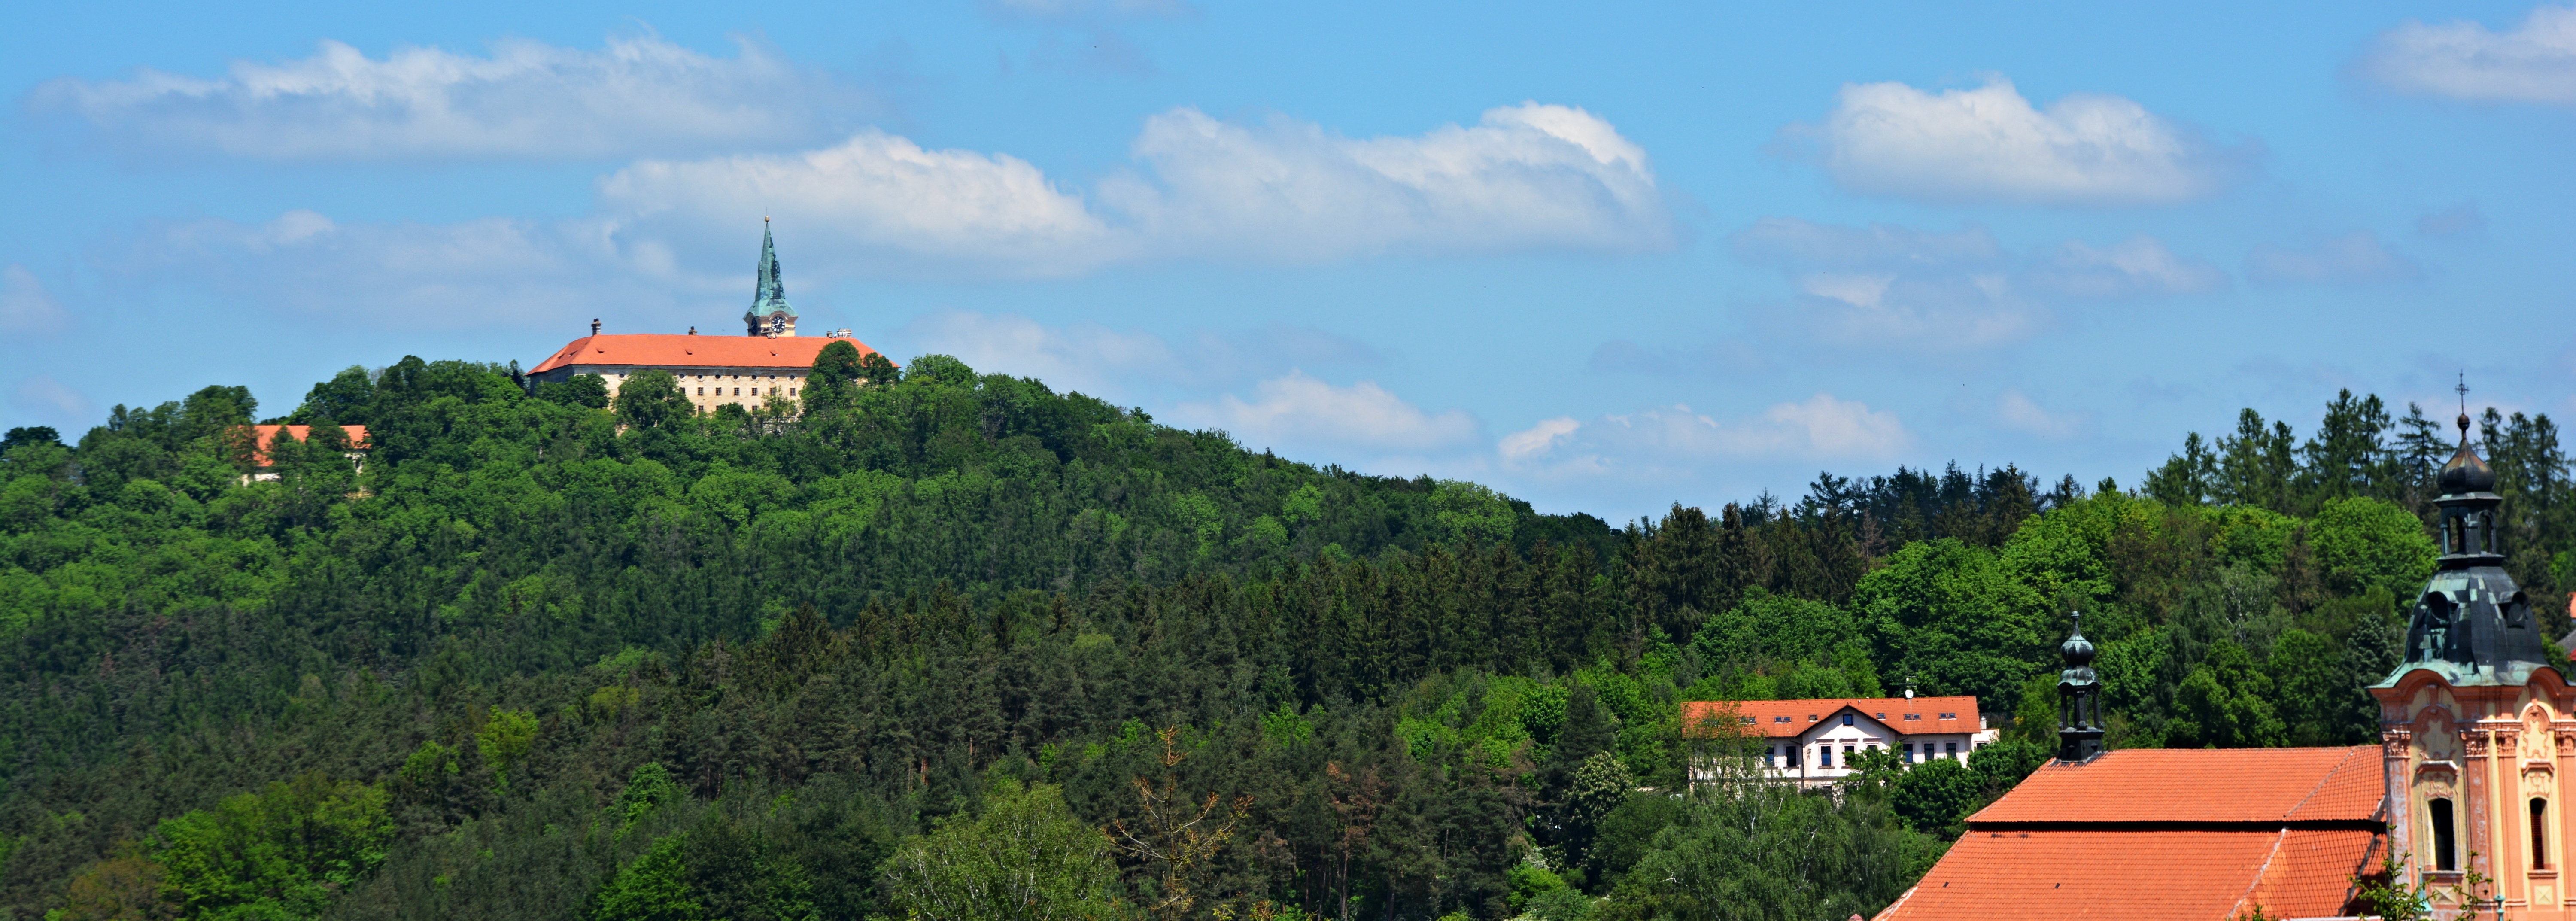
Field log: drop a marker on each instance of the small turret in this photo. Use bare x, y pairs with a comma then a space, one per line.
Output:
2079, 699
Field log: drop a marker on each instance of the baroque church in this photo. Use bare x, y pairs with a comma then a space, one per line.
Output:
769, 361
2462, 794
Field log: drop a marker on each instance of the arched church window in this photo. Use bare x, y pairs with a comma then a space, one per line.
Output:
2444, 855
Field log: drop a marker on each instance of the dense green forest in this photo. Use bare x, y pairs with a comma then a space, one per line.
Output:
938, 644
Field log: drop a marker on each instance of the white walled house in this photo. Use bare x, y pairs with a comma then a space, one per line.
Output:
1813, 741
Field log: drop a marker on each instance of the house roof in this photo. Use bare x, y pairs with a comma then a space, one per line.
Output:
2217, 831
1790, 718
2156, 875
667, 351
2262, 785
268, 435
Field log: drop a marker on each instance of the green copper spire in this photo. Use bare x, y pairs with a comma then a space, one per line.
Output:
769, 294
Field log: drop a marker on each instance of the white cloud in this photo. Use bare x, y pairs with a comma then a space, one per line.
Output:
1298, 410
2356, 258
880, 201
1922, 290
1990, 145
2535, 62
1526, 177
2016, 410
526, 99
1672, 440
25, 305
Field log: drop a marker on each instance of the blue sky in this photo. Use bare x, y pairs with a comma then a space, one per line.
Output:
1604, 258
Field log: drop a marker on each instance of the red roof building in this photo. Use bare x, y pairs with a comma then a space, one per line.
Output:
712, 370
267, 435
1813, 741
2168, 834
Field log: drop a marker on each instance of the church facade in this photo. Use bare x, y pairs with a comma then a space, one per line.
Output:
2477, 731
768, 362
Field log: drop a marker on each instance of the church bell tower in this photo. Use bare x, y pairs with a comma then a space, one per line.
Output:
2475, 725
769, 314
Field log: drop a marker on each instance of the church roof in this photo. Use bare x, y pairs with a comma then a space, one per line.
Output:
2166, 834
2262, 785
1781, 719
669, 351
2154, 875
768, 291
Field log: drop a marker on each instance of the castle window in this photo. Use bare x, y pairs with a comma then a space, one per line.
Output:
2539, 834
2444, 858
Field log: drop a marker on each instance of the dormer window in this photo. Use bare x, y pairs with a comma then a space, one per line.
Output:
1949, 716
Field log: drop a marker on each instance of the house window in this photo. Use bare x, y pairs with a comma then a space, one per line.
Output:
1771, 756
1847, 752
1909, 753
1950, 750
1779, 719
1847, 719
2443, 856
1748, 721
1914, 716
1824, 756
1792, 752
2539, 834
1949, 716
702, 391
737, 391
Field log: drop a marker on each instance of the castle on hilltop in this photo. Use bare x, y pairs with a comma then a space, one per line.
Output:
768, 360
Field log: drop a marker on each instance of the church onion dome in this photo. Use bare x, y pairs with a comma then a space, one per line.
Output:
2077, 650
2466, 473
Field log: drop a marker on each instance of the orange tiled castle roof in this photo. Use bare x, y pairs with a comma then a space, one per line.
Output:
665, 350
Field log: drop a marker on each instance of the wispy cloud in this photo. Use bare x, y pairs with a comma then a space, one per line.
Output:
26, 307
1991, 145
523, 100
1127, 365
2356, 258
1910, 289
1673, 441
48, 400
2533, 62
1300, 411
2016, 410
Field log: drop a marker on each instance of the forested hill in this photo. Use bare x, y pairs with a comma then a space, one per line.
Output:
548, 657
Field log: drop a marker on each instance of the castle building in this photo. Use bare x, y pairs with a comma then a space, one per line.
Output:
2475, 725
770, 360
1812, 742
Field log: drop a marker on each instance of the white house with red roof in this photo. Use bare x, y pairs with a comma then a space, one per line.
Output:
1813, 741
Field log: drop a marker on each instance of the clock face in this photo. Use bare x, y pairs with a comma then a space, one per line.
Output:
778, 323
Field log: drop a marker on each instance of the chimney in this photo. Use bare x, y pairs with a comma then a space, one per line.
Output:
594, 326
